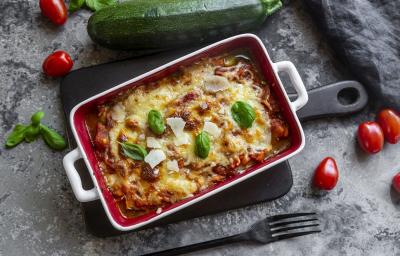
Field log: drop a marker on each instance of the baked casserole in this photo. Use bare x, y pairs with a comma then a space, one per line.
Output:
161, 142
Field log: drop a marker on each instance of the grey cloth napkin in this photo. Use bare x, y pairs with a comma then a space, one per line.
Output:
366, 35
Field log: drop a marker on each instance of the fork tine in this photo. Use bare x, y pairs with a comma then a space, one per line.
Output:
291, 228
279, 224
286, 236
290, 215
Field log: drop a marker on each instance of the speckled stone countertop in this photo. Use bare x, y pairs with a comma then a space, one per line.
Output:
40, 216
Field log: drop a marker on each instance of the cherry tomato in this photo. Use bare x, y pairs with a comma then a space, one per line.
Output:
396, 182
327, 174
370, 137
54, 10
390, 124
59, 63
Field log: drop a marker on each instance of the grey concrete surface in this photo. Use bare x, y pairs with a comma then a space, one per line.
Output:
40, 216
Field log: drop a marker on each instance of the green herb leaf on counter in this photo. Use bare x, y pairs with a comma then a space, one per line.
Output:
52, 138
37, 117
32, 131
96, 5
202, 145
75, 5
156, 122
16, 136
134, 151
243, 114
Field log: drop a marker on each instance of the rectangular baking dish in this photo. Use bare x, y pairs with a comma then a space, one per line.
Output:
85, 151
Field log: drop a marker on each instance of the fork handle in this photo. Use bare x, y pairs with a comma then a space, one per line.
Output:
201, 246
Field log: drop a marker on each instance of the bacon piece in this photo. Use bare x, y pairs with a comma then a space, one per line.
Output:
101, 139
181, 162
190, 96
130, 195
223, 171
217, 178
258, 156
184, 114
149, 174
244, 159
279, 129
131, 123
235, 162
192, 124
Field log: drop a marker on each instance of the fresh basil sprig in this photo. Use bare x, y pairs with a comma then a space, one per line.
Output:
93, 5
243, 114
16, 136
35, 119
52, 138
32, 131
156, 122
202, 145
134, 151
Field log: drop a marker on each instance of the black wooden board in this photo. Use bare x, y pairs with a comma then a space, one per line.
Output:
269, 185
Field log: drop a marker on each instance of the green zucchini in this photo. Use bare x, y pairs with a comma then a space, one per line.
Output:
163, 24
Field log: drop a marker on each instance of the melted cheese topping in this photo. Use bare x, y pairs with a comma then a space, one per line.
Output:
203, 100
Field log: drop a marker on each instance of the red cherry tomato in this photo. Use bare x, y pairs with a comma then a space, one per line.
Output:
327, 174
370, 137
59, 63
396, 182
54, 10
389, 121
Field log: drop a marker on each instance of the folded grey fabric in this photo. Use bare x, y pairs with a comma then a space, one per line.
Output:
366, 35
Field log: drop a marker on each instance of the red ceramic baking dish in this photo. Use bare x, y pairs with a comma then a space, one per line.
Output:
85, 150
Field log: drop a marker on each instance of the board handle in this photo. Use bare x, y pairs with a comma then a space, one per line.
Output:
338, 99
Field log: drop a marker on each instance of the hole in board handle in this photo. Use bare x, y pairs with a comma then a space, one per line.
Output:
348, 96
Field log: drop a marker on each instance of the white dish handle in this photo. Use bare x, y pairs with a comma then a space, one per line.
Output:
76, 183
290, 69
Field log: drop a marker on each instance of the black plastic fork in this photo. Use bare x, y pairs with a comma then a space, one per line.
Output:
271, 229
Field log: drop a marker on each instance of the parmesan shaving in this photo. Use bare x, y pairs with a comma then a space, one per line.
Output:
155, 157
153, 143
173, 166
214, 83
177, 124
182, 139
212, 129
118, 113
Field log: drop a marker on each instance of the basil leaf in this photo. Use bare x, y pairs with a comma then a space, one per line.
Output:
52, 138
134, 151
31, 133
37, 117
16, 136
96, 5
202, 145
75, 5
243, 114
156, 122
